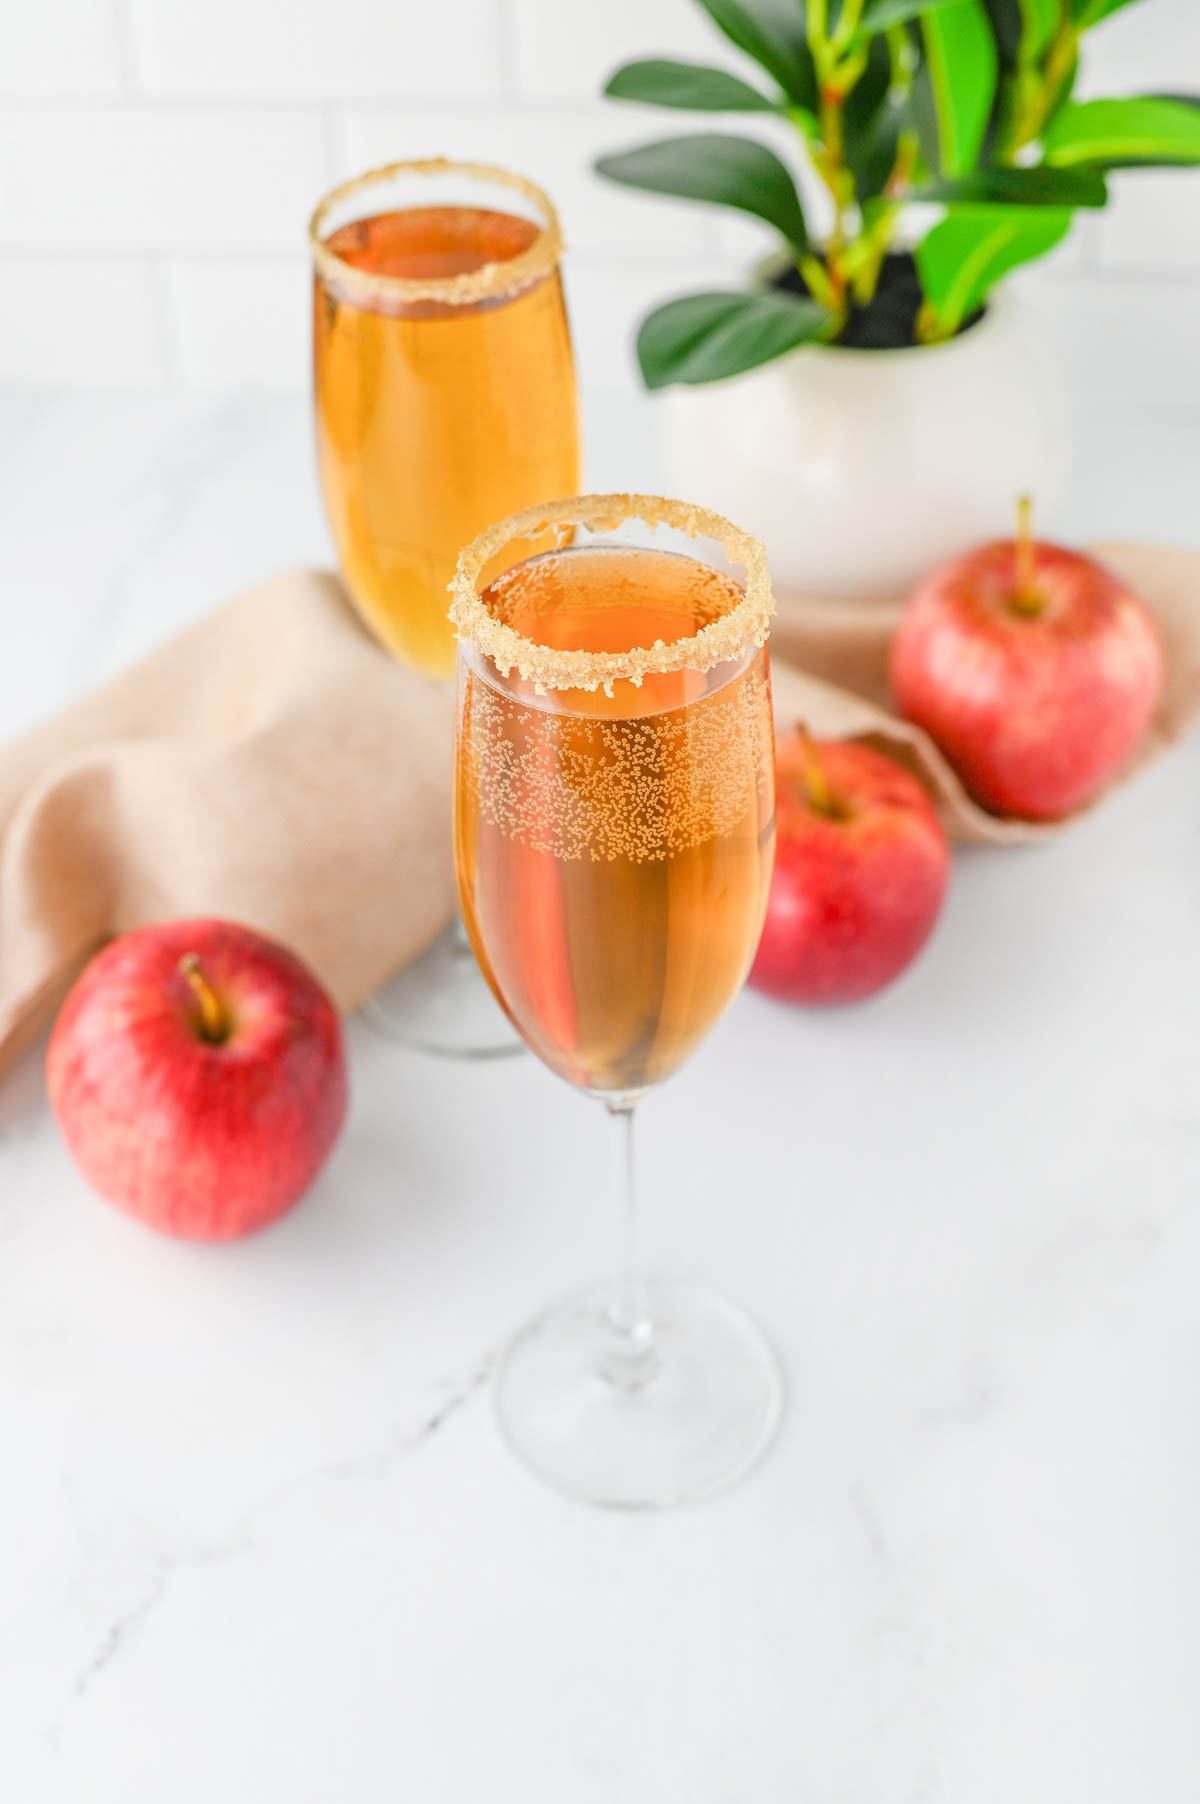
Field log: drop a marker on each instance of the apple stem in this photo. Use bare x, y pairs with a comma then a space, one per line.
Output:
1026, 599
820, 796
214, 1023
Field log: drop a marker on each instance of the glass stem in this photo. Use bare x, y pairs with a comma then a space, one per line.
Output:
630, 1359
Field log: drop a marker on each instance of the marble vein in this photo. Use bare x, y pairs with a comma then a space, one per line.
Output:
168, 1566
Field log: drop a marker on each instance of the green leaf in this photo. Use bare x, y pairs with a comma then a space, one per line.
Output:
1040, 187
724, 170
871, 122
877, 15
657, 82
869, 92
1087, 13
1040, 20
1062, 98
1116, 134
703, 337
955, 84
964, 256
1006, 20
772, 32
872, 159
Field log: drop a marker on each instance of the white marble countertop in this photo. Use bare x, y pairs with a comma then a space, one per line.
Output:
259, 1540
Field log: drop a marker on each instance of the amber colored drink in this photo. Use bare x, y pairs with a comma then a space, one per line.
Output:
435, 419
614, 851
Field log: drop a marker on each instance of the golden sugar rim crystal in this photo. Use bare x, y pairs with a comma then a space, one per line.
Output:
547, 668
487, 282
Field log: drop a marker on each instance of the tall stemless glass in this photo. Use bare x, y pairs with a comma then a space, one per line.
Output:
445, 398
614, 829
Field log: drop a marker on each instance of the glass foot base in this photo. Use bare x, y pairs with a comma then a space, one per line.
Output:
704, 1415
441, 1004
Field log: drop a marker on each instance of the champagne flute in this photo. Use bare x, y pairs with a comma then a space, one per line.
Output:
614, 828
445, 397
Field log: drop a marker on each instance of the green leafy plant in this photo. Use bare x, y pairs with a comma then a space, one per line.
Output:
962, 104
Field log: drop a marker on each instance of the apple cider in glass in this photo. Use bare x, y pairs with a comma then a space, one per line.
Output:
614, 849
445, 399
615, 830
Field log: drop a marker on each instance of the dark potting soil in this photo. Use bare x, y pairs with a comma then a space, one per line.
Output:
889, 320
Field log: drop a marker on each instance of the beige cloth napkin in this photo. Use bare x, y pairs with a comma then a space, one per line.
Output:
271, 765
829, 670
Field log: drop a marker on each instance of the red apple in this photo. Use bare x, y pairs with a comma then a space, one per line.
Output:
1034, 669
198, 1076
861, 866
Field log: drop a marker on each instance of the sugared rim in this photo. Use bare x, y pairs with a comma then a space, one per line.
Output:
547, 668
491, 279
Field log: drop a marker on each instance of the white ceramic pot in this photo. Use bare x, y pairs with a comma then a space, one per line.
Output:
863, 469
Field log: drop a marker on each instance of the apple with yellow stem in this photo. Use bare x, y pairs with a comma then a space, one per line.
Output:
861, 867
198, 1075
1033, 669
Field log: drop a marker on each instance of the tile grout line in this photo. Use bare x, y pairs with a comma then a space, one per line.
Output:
171, 103
332, 143
1101, 276
127, 61
169, 347
278, 254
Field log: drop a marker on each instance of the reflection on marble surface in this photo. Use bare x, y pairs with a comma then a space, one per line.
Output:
260, 1539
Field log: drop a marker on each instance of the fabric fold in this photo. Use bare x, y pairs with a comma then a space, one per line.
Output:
271, 765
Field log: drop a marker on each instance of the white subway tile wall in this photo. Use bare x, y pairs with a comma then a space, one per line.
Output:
336, 49
88, 321
60, 48
236, 324
158, 160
